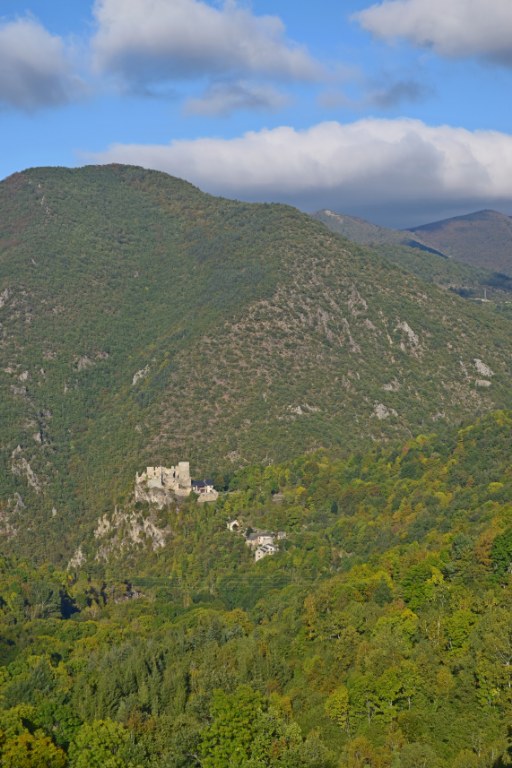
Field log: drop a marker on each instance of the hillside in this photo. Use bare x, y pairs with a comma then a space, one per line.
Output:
483, 239
379, 636
428, 259
144, 321
364, 232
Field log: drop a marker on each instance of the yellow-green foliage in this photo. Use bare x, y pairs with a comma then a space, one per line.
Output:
379, 635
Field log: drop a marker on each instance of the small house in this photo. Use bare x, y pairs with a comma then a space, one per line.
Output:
264, 551
205, 490
259, 539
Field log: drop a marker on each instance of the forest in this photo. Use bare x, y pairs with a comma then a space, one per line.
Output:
379, 636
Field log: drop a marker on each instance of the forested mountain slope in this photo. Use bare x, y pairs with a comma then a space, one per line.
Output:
380, 635
143, 322
364, 232
483, 239
434, 260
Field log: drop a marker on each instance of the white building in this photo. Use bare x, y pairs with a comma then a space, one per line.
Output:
259, 539
264, 551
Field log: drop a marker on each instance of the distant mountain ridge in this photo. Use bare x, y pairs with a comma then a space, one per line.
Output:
483, 239
144, 322
470, 254
366, 233
415, 255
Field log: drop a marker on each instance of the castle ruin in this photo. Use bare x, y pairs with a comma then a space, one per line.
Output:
176, 480
160, 485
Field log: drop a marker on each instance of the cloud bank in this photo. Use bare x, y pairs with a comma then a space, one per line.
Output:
379, 168
457, 28
33, 68
151, 40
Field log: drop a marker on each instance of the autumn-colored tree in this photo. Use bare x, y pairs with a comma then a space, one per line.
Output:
32, 750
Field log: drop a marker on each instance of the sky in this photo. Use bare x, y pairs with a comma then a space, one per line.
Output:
398, 111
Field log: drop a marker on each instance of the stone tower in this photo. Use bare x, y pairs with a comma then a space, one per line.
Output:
183, 476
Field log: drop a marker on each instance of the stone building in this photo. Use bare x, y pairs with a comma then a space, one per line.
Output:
174, 479
205, 490
160, 485
259, 538
265, 550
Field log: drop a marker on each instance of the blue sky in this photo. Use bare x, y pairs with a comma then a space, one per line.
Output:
396, 111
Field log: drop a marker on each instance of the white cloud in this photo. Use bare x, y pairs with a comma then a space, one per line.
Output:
145, 41
453, 28
224, 98
33, 67
370, 167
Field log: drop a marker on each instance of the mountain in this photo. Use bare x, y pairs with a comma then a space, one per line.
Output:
429, 259
144, 322
483, 239
366, 233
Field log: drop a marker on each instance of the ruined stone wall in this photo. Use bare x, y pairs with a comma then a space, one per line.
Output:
162, 482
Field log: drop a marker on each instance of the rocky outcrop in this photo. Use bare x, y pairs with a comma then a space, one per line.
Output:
124, 530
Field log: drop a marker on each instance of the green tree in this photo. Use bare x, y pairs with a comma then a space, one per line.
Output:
229, 739
100, 744
501, 554
337, 706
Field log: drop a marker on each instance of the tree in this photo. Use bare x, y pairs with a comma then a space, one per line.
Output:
417, 755
28, 750
336, 707
361, 754
100, 744
229, 738
501, 554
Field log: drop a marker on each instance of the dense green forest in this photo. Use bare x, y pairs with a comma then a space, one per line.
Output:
380, 635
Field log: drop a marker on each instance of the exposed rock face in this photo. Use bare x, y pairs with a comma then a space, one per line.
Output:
21, 467
482, 368
77, 560
157, 496
381, 411
124, 530
139, 375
